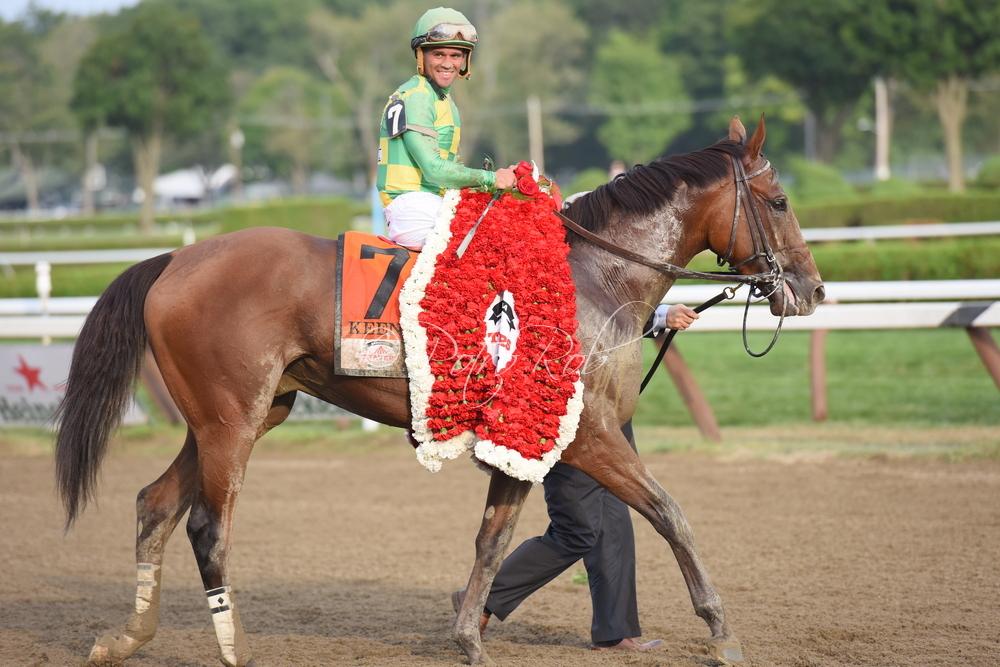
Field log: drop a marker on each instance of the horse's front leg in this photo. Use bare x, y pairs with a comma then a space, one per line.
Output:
607, 457
503, 505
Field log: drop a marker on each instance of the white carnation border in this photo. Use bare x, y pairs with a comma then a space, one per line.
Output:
432, 453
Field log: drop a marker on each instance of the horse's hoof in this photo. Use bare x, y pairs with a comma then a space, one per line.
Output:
726, 650
480, 658
108, 650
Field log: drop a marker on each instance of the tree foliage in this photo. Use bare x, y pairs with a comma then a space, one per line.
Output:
526, 48
27, 100
287, 115
157, 74
155, 77
936, 47
804, 44
629, 74
364, 59
253, 34
25, 81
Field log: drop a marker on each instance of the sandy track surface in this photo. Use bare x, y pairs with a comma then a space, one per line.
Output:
349, 559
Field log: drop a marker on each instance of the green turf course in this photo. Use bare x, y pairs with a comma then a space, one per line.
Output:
931, 377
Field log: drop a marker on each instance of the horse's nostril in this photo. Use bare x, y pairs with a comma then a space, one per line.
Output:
819, 294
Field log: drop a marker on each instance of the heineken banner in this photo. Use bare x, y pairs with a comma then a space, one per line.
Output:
33, 381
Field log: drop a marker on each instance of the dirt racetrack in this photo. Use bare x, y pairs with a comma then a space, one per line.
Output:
349, 558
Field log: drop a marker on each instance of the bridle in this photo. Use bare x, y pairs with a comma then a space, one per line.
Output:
762, 285
775, 277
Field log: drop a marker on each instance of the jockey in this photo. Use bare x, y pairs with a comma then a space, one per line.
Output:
420, 130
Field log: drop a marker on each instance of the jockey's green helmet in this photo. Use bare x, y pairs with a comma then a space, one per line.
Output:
443, 26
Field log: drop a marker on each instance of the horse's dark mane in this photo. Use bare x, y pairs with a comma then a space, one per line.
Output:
646, 187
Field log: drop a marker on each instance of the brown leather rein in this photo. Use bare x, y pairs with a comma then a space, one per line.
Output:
761, 246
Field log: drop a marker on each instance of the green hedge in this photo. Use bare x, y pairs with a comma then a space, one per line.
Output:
929, 207
923, 259
322, 217
815, 181
67, 280
105, 223
989, 173
103, 241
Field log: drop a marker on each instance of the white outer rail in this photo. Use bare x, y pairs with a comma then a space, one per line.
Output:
886, 290
875, 232
831, 316
876, 290
122, 256
855, 316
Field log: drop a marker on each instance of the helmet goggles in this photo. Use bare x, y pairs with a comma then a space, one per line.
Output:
447, 32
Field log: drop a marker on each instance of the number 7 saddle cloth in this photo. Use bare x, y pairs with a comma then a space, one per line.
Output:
368, 338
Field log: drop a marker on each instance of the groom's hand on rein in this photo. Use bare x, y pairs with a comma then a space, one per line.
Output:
680, 317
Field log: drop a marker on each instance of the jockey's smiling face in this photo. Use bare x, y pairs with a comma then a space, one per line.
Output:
442, 64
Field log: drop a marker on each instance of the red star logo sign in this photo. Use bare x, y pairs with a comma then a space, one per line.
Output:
31, 375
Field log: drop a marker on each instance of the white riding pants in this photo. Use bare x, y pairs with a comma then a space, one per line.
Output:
411, 216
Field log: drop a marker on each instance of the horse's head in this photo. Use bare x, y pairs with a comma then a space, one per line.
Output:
754, 228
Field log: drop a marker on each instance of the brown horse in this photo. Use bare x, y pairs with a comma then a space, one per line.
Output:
239, 323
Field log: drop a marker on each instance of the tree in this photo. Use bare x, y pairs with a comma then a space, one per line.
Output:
803, 43
364, 58
750, 98
642, 91
694, 34
26, 101
155, 77
938, 48
528, 48
253, 34
287, 114
63, 47
632, 16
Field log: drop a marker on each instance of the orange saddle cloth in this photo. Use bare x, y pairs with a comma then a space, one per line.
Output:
368, 337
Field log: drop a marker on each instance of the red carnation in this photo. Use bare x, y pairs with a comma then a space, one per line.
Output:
523, 169
527, 186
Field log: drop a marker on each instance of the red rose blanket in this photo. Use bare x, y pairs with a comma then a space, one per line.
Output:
491, 348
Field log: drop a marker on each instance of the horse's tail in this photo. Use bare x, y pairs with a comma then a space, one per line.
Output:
107, 359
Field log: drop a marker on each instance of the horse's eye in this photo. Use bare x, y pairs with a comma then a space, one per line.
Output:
779, 204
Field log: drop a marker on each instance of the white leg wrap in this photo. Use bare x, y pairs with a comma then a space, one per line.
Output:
146, 584
220, 603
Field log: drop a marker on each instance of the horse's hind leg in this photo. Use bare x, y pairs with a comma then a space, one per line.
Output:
225, 445
224, 452
159, 507
503, 505
608, 458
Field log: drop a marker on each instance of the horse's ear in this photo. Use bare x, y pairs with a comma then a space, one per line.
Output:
737, 132
757, 141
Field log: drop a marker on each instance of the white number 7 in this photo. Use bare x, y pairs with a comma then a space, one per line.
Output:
396, 120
